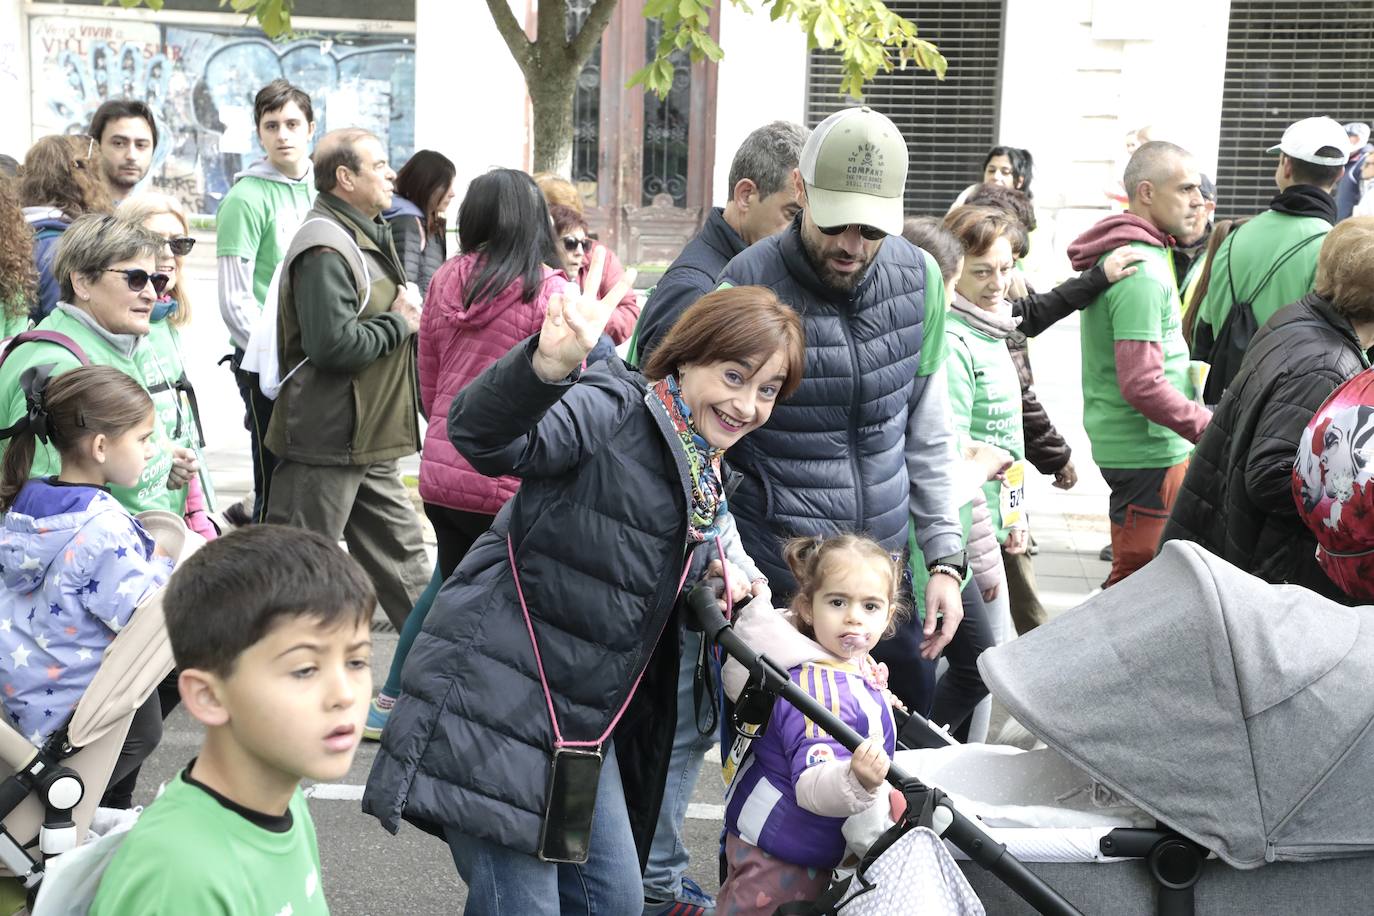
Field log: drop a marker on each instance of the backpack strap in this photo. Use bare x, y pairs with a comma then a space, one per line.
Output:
1273, 268
52, 337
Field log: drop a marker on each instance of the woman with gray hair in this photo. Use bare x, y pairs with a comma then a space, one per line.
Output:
106, 270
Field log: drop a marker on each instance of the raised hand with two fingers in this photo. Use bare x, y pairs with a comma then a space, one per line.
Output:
575, 320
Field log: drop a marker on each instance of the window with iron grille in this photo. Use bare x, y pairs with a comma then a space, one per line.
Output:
1287, 60
948, 126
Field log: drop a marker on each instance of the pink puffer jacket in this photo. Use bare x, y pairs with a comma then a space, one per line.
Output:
456, 345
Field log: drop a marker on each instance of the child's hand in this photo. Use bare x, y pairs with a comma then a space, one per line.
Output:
869, 764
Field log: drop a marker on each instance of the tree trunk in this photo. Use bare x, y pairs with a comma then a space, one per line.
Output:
551, 98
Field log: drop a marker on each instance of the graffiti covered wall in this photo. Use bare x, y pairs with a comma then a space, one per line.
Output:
200, 83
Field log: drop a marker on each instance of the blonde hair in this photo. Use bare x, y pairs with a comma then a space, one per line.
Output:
1345, 268
136, 209
558, 190
808, 559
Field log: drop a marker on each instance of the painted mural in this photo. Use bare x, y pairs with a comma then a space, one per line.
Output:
200, 83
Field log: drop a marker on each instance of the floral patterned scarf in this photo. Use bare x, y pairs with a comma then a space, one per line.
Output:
703, 462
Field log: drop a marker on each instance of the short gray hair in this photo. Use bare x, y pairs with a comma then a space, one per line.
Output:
93, 243
1152, 162
767, 156
338, 148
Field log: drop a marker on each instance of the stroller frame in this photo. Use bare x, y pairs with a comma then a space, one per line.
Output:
766, 674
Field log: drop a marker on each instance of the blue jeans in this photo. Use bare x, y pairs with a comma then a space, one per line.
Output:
502, 882
668, 856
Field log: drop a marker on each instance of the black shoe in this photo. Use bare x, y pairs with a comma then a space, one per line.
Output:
1105, 554
237, 516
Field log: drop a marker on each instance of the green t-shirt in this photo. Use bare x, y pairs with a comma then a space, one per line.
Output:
1249, 253
189, 853
934, 347
141, 363
985, 404
1144, 306
256, 221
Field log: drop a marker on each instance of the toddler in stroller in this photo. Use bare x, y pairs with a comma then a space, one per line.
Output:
76, 566
794, 784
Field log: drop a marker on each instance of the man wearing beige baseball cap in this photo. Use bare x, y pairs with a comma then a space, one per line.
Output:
865, 443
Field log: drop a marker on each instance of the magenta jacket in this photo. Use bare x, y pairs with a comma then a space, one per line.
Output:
456, 345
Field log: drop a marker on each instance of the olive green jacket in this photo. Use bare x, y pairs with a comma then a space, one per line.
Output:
351, 393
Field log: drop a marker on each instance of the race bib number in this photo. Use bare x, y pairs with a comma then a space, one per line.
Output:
1014, 495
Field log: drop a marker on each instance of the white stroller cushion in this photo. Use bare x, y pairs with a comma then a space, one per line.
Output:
915, 876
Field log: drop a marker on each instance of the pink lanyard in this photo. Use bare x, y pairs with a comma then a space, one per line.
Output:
558, 740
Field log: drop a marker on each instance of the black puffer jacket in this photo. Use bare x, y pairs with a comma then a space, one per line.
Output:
599, 529
835, 455
1237, 498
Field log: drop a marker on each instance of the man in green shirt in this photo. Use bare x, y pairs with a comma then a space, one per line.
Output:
1272, 259
1139, 419
254, 224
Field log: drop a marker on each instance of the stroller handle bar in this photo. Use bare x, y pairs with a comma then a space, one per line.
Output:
962, 832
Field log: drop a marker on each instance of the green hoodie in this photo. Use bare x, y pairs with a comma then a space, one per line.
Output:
133, 356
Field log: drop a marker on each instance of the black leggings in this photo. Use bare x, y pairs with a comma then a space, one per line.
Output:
912, 678
145, 731
455, 531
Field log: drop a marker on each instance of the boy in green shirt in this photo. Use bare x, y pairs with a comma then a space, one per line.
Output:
270, 628
253, 227
1137, 410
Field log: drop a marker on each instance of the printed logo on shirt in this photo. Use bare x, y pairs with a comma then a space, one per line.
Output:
819, 753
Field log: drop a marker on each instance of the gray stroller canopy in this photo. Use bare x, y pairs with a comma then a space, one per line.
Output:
1234, 711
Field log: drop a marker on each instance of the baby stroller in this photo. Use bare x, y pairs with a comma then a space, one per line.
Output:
49, 795
925, 806
1236, 712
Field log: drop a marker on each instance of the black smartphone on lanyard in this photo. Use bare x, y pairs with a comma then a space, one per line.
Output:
566, 834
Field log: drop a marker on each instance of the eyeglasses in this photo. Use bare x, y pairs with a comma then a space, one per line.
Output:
181, 245
872, 233
137, 278
571, 244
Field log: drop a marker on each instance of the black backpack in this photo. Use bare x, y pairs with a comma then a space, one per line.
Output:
1233, 338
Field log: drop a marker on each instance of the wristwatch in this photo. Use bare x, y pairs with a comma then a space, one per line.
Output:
956, 565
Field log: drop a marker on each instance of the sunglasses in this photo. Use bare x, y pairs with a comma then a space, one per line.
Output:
872, 233
137, 278
571, 244
181, 245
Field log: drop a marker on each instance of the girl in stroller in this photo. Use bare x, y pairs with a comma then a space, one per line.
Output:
787, 803
75, 564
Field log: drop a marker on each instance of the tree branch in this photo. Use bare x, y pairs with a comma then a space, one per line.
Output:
509, 27
580, 48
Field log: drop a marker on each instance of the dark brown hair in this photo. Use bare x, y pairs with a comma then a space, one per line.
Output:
84, 402
118, 110
58, 172
1220, 231
425, 175
18, 278
977, 228
738, 323
229, 594
930, 235
275, 96
809, 557
566, 219
1008, 200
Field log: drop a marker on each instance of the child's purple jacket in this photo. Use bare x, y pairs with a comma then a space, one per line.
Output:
75, 565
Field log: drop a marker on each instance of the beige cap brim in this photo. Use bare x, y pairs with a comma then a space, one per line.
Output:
841, 208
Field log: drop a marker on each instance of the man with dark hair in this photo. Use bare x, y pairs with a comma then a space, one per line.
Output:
865, 444
348, 407
1139, 420
1348, 188
762, 202
1271, 260
126, 134
254, 224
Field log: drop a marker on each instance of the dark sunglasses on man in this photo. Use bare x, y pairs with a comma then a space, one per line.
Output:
571, 244
872, 233
181, 245
137, 278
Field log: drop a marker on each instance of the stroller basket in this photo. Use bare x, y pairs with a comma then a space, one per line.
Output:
934, 805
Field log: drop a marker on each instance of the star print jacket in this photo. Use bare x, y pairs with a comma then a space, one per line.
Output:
74, 565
